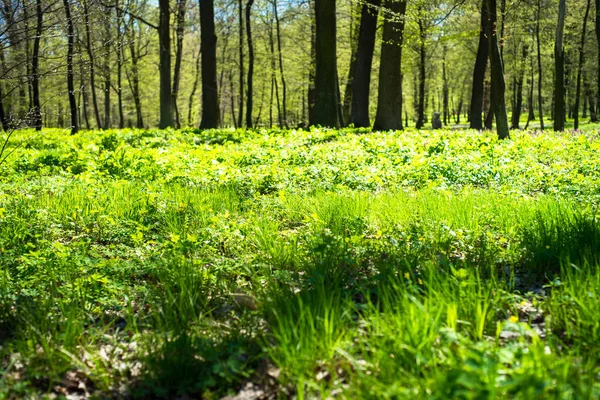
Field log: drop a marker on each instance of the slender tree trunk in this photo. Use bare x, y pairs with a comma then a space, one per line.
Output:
179, 32
598, 53
88, 45
389, 97
135, 84
35, 78
241, 50
347, 104
250, 88
70, 83
364, 59
107, 72
164, 42
422, 77
120, 58
580, 66
477, 94
3, 117
210, 97
194, 89
326, 83
284, 122
559, 67
497, 76
539, 62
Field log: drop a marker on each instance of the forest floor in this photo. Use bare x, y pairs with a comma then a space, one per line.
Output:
307, 264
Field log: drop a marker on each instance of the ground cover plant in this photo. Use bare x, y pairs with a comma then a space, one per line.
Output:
314, 264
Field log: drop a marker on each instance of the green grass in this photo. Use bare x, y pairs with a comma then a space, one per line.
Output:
144, 264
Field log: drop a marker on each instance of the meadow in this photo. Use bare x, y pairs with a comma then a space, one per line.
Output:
310, 264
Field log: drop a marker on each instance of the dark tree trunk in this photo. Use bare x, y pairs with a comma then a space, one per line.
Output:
559, 67
389, 97
35, 77
598, 53
347, 104
589, 95
241, 50
539, 62
326, 111
580, 65
250, 92
421, 119
311, 93
70, 83
498, 104
210, 96
164, 42
134, 83
3, 117
477, 95
179, 32
361, 84
284, 122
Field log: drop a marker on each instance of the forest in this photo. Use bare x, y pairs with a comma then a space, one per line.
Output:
290, 199
212, 64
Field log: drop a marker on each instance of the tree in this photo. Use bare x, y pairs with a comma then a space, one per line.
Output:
326, 111
559, 70
35, 60
580, 65
210, 99
70, 83
250, 92
361, 84
179, 31
476, 109
498, 105
164, 43
389, 98
539, 62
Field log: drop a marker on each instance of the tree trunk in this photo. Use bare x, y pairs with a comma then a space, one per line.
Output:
361, 84
70, 83
498, 104
389, 97
250, 91
598, 53
241, 60
164, 43
445, 89
422, 60
326, 111
210, 97
283, 83
88, 45
311, 93
580, 65
559, 68
107, 72
120, 59
477, 95
179, 32
35, 78
347, 105
539, 62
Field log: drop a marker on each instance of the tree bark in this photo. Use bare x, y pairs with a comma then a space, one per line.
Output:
210, 97
361, 84
347, 104
241, 60
70, 83
598, 53
164, 42
497, 76
107, 72
35, 78
250, 88
326, 111
539, 62
445, 89
559, 67
179, 32
194, 89
518, 92
476, 109
311, 93
580, 65
120, 59
389, 98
